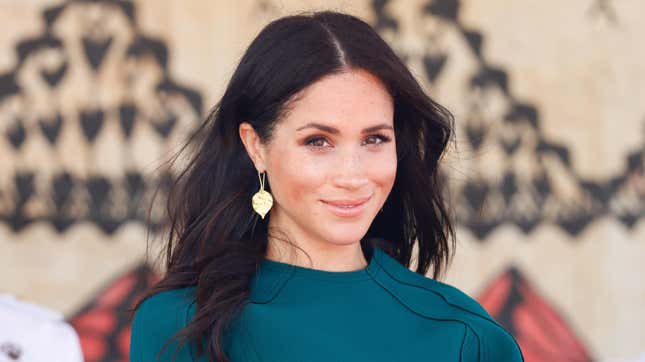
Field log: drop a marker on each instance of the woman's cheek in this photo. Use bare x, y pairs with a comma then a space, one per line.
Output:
302, 177
382, 167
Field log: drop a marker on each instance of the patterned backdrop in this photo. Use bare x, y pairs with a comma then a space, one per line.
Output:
547, 171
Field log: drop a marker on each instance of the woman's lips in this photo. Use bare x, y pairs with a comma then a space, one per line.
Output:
346, 208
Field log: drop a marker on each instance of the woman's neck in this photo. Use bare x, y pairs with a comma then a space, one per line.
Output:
324, 255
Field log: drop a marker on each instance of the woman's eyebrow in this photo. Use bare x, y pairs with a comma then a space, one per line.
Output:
333, 130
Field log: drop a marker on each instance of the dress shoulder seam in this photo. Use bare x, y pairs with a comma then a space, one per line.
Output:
416, 280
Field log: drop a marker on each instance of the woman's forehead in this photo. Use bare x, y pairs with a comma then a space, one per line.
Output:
343, 100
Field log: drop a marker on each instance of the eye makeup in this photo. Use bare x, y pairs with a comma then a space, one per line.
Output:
315, 140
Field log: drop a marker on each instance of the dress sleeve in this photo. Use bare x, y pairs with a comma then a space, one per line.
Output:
503, 347
155, 322
490, 345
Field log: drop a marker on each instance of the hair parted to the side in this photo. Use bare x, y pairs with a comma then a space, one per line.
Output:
215, 241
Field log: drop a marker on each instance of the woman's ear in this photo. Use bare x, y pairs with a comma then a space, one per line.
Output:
253, 145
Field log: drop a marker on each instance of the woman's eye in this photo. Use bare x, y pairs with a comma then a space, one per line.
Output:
377, 139
316, 141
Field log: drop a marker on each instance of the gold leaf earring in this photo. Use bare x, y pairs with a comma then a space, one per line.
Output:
262, 200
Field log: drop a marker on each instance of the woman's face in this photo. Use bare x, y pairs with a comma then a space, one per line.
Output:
331, 162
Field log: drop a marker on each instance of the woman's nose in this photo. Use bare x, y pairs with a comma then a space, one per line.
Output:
350, 172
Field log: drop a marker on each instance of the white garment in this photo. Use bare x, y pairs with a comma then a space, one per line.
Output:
640, 358
32, 333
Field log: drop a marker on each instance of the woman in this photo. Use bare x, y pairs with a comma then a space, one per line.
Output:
292, 227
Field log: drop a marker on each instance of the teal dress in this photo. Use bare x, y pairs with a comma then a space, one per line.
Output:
384, 312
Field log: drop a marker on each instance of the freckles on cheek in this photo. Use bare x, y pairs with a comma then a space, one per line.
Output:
297, 178
383, 169
303, 177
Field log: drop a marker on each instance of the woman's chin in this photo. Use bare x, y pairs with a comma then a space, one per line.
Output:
345, 234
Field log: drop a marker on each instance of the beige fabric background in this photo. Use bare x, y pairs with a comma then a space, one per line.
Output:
579, 62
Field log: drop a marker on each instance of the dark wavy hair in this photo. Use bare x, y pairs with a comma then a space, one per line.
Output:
215, 241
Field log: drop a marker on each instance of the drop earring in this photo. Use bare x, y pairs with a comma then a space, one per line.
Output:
262, 200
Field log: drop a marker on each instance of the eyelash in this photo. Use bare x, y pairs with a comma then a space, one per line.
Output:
309, 141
